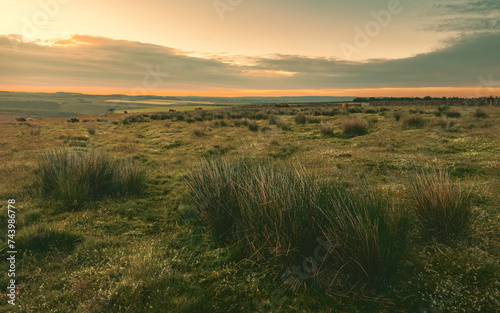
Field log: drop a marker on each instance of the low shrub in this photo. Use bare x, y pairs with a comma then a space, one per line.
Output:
141, 118
355, 110
161, 116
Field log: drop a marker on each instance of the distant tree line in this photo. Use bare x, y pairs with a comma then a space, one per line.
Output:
491, 100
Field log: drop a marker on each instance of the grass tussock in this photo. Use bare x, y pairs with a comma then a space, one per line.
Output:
78, 177
480, 114
283, 125
282, 215
311, 119
252, 125
368, 233
443, 208
452, 113
300, 118
327, 129
198, 131
413, 121
355, 126
43, 238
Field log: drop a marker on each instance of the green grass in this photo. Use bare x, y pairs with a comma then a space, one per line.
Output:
43, 238
155, 252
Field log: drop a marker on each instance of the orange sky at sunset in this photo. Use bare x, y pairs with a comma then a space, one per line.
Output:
251, 48
381, 92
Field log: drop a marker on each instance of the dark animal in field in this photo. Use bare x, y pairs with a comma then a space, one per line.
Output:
345, 105
125, 112
172, 110
198, 109
20, 119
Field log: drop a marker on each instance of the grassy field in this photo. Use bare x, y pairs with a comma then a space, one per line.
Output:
175, 107
289, 183
50, 105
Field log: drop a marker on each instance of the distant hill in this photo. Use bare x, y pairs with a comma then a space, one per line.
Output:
69, 104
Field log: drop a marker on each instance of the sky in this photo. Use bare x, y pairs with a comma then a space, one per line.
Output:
252, 47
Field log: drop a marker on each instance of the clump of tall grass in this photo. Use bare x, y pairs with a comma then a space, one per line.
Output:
311, 119
252, 125
327, 129
480, 114
355, 126
43, 238
277, 214
453, 113
443, 207
78, 177
272, 119
368, 232
198, 131
413, 121
300, 118
244, 201
283, 125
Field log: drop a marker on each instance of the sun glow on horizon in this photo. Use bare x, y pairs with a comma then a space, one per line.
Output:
468, 92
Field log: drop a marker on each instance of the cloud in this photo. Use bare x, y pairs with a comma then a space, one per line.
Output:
119, 64
466, 16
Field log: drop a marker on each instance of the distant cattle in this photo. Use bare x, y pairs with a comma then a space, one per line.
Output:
20, 119
125, 112
345, 105
198, 109
172, 110
30, 119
